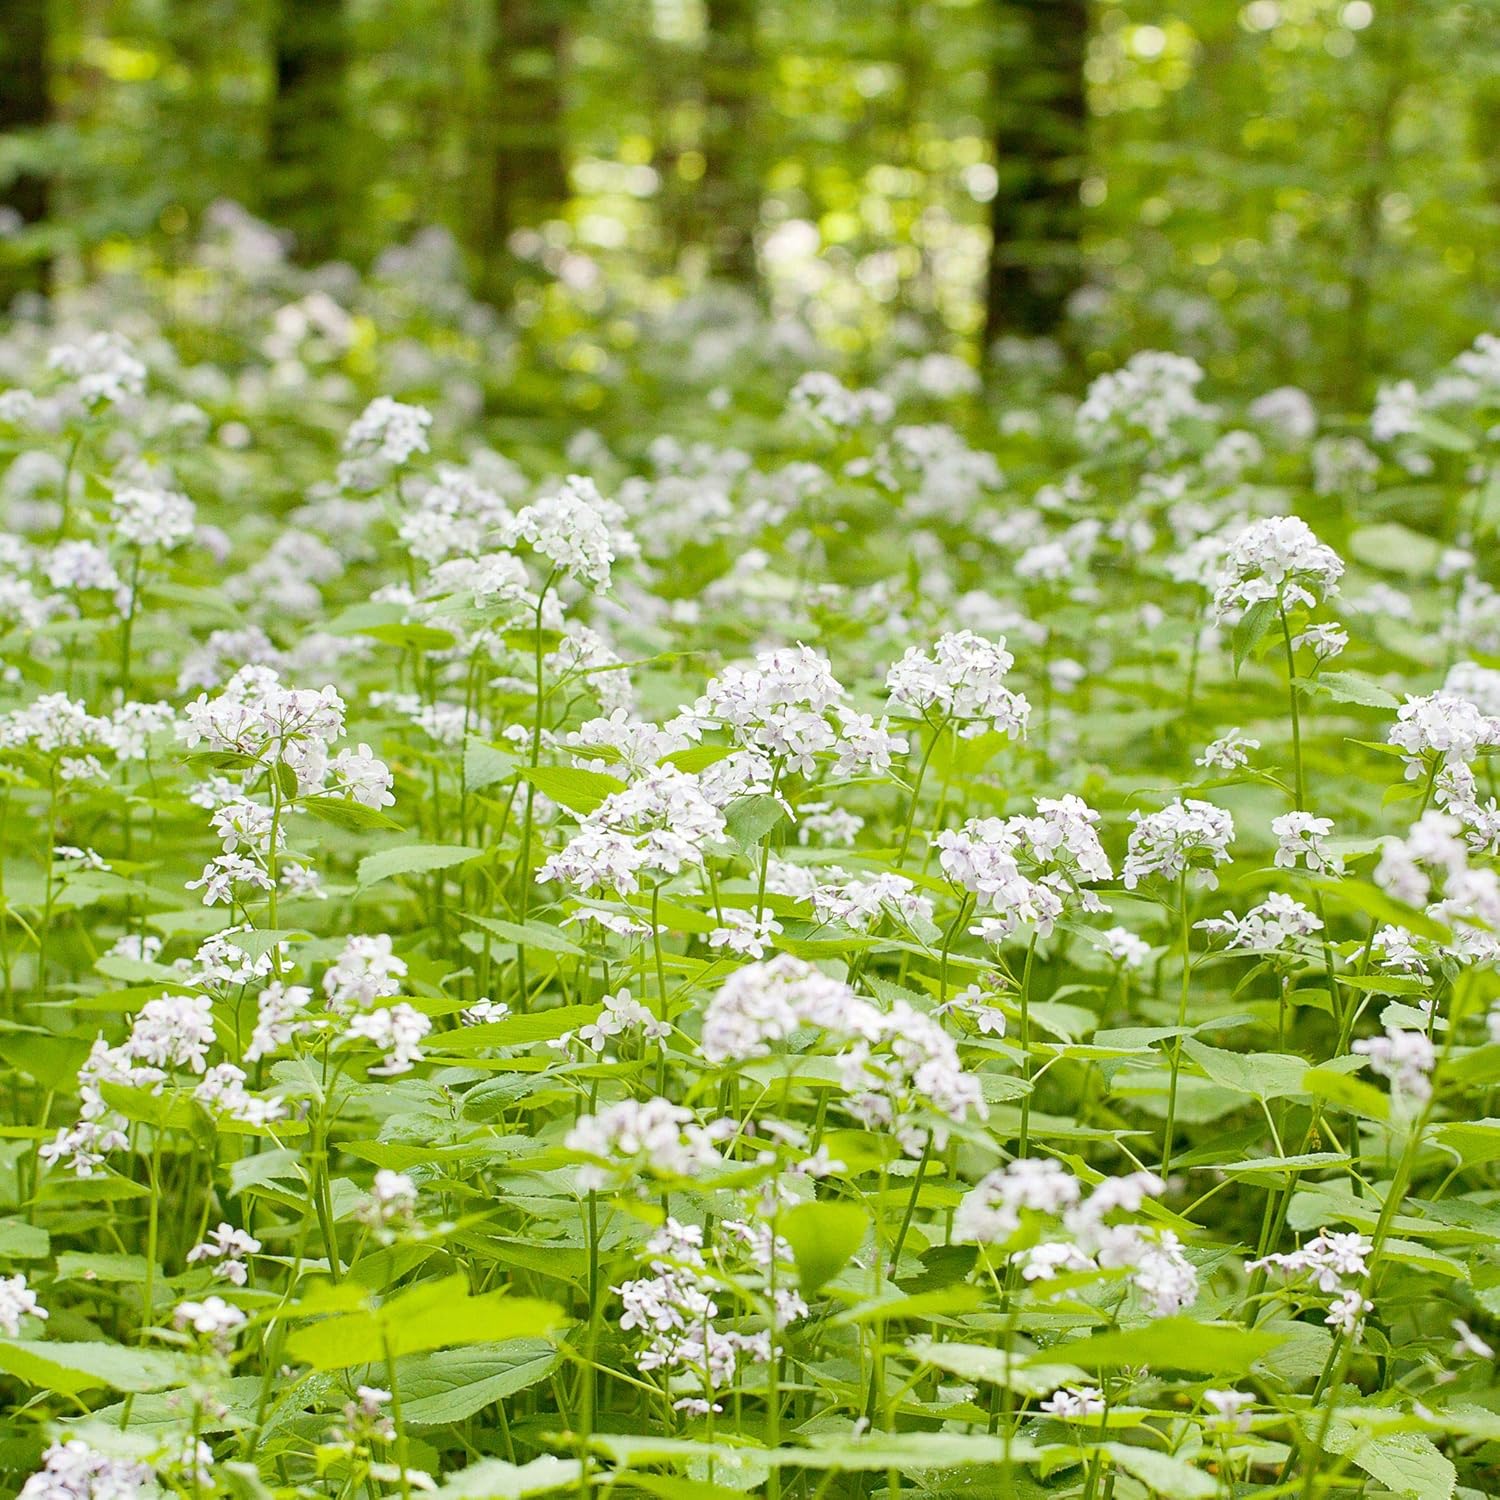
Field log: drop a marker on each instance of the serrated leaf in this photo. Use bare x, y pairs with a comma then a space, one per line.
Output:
531, 935
450, 1385
749, 819
430, 1315
1171, 1344
414, 859
71, 1367
1251, 630
577, 790
823, 1236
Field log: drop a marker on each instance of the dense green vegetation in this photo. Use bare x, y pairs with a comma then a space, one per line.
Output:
747, 749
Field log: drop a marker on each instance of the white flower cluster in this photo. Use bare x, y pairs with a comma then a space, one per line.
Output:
1026, 870
962, 681
577, 531
654, 828
638, 1143
1150, 395
674, 1308
1300, 838
1089, 1237
1277, 560
256, 717
1334, 1262
152, 518
102, 369
1275, 924
72, 1470
17, 1301
898, 1066
1405, 1058
1185, 837
226, 1250
787, 708
826, 400
385, 436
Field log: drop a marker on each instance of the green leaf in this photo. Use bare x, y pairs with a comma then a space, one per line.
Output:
1163, 1474
53, 1061
70, 1368
343, 812
531, 935
579, 791
1406, 1463
452, 1384
1347, 1093
1171, 1344
1395, 548
1252, 627
414, 859
749, 819
430, 1315
1345, 687
1262, 1075
494, 1479
22, 1241
485, 764
823, 1236
516, 1031
1021, 1374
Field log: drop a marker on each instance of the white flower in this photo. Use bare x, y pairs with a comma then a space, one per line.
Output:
1125, 947
1406, 1058
1074, 1403
745, 933
1278, 560
385, 435
102, 367
17, 1301
227, 1246
153, 518
74, 1471
1299, 836
656, 826
1149, 396
764, 1003
213, 1317
577, 530
1227, 753
392, 1201
366, 970
962, 680
397, 1030
1275, 923
358, 775
826, 399
1440, 724
1230, 1409
1184, 837
641, 1142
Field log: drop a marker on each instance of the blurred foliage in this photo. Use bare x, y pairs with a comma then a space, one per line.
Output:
1289, 190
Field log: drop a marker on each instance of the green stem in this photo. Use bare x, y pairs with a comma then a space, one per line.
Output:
1182, 1014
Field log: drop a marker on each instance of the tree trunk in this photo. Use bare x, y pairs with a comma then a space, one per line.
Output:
308, 142
731, 189
528, 164
1040, 138
24, 108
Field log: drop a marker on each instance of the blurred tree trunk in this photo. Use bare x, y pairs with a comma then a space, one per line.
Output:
24, 109
1040, 139
528, 174
731, 187
308, 141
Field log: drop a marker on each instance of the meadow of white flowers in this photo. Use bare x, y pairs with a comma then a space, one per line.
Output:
855, 935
